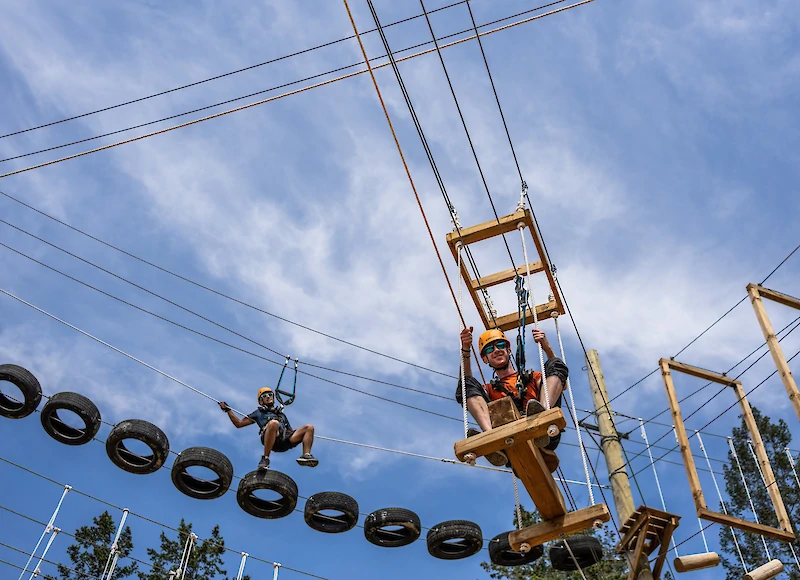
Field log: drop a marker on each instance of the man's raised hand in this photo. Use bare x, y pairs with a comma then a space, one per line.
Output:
224, 406
466, 338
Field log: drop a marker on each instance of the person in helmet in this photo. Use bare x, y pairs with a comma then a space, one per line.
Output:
274, 429
525, 388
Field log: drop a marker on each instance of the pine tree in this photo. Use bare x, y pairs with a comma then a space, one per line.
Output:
776, 439
612, 567
205, 562
92, 547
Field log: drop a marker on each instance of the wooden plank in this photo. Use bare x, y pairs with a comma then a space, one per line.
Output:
763, 461
511, 434
540, 250
486, 230
639, 549
550, 530
503, 411
662, 553
683, 439
765, 572
745, 526
473, 294
538, 481
511, 321
505, 276
700, 373
776, 296
641, 519
775, 349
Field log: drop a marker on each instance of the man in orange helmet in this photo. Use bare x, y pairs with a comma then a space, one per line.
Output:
525, 388
275, 431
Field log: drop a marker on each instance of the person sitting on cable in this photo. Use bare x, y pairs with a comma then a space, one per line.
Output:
524, 388
274, 429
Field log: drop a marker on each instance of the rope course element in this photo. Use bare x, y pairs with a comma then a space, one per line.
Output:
46, 561
241, 566
48, 529
658, 482
113, 555
749, 497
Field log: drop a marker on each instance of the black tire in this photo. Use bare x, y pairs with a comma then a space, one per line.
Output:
25, 382
454, 540
202, 488
588, 551
376, 524
145, 432
270, 480
78, 404
501, 554
333, 501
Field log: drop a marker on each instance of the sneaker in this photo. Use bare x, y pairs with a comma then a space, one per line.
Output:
263, 465
534, 408
550, 459
498, 458
307, 460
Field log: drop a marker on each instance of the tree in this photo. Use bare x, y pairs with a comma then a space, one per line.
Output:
611, 568
92, 548
205, 562
776, 439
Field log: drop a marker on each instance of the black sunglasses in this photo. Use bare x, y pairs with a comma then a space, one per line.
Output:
499, 344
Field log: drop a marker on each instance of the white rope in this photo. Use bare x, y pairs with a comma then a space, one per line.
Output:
749, 497
113, 555
35, 573
516, 499
459, 247
277, 567
241, 566
721, 501
47, 529
187, 553
655, 474
584, 453
521, 228
791, 462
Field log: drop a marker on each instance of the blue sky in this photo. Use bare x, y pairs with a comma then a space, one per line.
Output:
659, 143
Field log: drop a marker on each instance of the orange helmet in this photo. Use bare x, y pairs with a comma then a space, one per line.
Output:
263, 390
489, 337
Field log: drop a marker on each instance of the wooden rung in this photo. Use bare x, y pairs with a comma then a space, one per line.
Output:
775, 296
488, 229
699, 372
511, 321
510, 434
696, 562
745, 526
768, 570
506, 275
550, 530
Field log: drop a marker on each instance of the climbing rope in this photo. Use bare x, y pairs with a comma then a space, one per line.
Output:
462, 378
721, 501
749, 497
516, 499
584, 453
241, 566
113, 555
794, 471
187, 553
49, 528
36, 570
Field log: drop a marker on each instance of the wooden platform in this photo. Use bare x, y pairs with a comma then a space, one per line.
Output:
646, 530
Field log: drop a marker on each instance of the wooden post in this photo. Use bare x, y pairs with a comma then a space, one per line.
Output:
755, 292
620, 486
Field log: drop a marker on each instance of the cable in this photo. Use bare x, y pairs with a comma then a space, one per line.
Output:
287, 94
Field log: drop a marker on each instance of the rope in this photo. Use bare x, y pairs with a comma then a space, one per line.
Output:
459, 305
47, 529
113, 555
38, 568
794, 471
276, 567
721, 501
187, 554
584, 453
516, 500
749, 497
574, 559
241, 566
655, 474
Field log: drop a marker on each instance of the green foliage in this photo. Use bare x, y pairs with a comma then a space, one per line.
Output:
92, 547
611, 568
776, 439
205, 562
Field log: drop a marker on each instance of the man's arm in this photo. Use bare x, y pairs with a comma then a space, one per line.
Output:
237, 422
540, 337
466, 344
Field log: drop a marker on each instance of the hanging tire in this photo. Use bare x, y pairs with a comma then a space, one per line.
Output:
78, 404
501, 554
25, 382
272, 481
202, 488
587, 550
454, 540
331, 501
142, 431
406, 523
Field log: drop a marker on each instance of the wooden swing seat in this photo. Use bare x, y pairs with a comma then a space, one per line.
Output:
513, 435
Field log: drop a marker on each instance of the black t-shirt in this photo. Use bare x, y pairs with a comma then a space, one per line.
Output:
264, 415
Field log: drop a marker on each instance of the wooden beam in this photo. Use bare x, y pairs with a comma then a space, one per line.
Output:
745, 526
562, 526
680, 431
763, 461
700, 373
765, 572
696, 562
776, 296
487, 230
638, 551
505, 275
543, 311
662, 553
510, 434
641, 519
755, 292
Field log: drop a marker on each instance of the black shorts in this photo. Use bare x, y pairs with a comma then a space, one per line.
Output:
282, 442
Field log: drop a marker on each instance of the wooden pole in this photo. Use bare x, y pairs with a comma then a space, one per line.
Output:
618, 476
774, 346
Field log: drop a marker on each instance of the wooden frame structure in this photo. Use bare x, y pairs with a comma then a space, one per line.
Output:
513, 435
646, 530
491, 229
784, 532
756, 293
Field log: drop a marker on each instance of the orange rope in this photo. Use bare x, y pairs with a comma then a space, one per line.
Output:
290, 93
